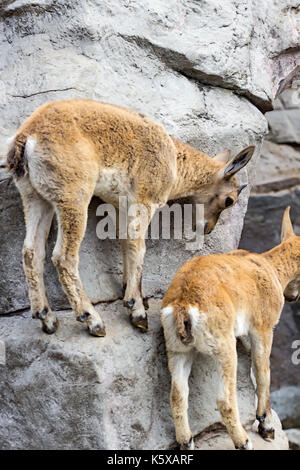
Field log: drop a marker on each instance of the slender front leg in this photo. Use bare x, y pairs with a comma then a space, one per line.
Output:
227, 400
135, 254
180, 367
261, 350
133, 298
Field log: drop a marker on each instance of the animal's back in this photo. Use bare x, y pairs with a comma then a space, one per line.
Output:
224, 285
78, 133
123, 132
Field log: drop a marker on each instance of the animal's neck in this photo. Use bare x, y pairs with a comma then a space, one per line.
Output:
285, 259
195, 171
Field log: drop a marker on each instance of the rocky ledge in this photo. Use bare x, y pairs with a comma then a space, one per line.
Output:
72, 391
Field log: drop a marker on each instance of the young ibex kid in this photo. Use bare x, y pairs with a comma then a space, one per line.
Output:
68, 151
215, 299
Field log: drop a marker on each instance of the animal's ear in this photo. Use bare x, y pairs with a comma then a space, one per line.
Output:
223, 156
238, 162
286, 227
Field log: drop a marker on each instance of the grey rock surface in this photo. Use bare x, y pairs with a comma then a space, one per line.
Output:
72, 391
276, 185
284, 121
286, 403
113, 50
290, 98
218, 439
293, 436
278, 168
284, 372
285, 125
263, 219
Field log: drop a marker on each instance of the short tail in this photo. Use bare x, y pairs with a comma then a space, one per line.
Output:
16, 161
183, 324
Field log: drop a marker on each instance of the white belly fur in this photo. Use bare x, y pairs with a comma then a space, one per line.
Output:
241, 327
112, 184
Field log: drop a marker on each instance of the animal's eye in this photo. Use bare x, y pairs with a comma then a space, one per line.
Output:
228, 201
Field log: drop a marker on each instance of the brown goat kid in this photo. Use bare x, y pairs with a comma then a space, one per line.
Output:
213, 300
68, 151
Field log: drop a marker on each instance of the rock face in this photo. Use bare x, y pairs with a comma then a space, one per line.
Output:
284, 121
277, 185
286, 401
218, 439
72, 391
128, 51
206, 70
294, 438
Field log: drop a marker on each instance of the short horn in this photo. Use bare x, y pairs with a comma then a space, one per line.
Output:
243, 186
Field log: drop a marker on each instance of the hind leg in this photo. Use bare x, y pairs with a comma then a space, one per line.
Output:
133, 298
261, 350
38, 217
180, 367
227, 398
126, 275
72, 221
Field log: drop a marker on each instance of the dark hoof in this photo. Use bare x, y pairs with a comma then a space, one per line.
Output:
124, 290
130, 303
83, 317
140, 322
187, 445
261, 418
40, 315
97, 330
246, 446
266, 433
50, 330
146, 303
43, 314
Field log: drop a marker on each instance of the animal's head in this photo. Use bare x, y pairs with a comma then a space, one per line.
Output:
292, 290
225, 190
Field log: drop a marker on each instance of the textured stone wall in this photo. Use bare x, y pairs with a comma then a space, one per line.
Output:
284, 121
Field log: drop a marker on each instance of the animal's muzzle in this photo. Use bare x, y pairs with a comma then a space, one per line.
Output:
294, 298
